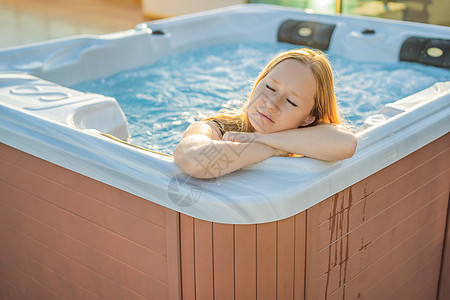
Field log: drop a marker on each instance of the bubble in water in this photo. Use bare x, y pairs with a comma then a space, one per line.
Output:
161, 100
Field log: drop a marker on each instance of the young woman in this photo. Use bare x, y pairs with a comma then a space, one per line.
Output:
291, 110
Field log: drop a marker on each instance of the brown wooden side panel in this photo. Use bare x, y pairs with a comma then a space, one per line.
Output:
187, 256
173, 254
223, 237
396, 268
204, 259
245, 262
82, 213
10, 291
444, 280
430, 261
385, 177
366, 244
28, 286
380, 237
55, 283
286, 259
266, 260
300, 255
113, 197
70, 235
226, 261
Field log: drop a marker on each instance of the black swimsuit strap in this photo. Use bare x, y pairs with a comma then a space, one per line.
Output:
222, 130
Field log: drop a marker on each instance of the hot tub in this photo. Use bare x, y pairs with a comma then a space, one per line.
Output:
86, 215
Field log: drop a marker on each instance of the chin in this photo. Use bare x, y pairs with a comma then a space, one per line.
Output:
258, 129
262, 130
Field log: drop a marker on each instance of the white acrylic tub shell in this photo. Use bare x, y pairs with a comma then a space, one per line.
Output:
40, 116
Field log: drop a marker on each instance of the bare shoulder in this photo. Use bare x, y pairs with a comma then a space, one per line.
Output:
197, 136
204, 128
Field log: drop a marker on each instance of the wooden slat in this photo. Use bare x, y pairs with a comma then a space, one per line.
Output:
381, 179
30, 287
245, 262
372, 252
422, 244
89, 233
300, 255
336, 257
143, 232
383, 217
406, 268
285, 258
399, 168
369, 253
173, 254
382, 221
8, 290
388, 195
424, 273
73, 271
223, 241
367, 242
139, 221
187, 256
45, 276
204, 281
122, 200
444, 280
80, 252
266, 260
427, 290
312, 289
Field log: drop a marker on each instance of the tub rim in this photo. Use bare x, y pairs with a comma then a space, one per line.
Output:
101, 158
121, 166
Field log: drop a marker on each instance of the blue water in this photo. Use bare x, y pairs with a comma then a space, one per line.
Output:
161, 100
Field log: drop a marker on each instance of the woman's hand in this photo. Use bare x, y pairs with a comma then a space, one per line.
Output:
202, 156
250, 137
326, 142
240, 137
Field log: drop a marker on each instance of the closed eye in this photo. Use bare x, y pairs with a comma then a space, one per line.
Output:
292, 103
270, 88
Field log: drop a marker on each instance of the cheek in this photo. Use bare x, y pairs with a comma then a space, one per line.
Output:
258, 100
252, 100
256, 94
294, 119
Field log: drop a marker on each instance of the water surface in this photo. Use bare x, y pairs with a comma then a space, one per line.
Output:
161, 100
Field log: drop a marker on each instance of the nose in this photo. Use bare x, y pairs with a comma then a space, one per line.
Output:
272, 103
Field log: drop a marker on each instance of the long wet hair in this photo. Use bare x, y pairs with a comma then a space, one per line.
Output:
325, 108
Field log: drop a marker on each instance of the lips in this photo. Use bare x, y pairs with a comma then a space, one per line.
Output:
265, 117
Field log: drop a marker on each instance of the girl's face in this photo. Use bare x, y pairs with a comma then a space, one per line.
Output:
283, 99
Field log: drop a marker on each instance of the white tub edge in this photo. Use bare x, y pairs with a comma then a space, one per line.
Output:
148, 175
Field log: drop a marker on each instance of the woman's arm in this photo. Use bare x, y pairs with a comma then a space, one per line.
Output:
202, 155
324, 141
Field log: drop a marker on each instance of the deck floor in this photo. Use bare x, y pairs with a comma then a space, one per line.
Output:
30, 21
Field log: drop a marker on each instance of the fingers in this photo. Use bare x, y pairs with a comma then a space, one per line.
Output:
232, 136
240, 137
228, 136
